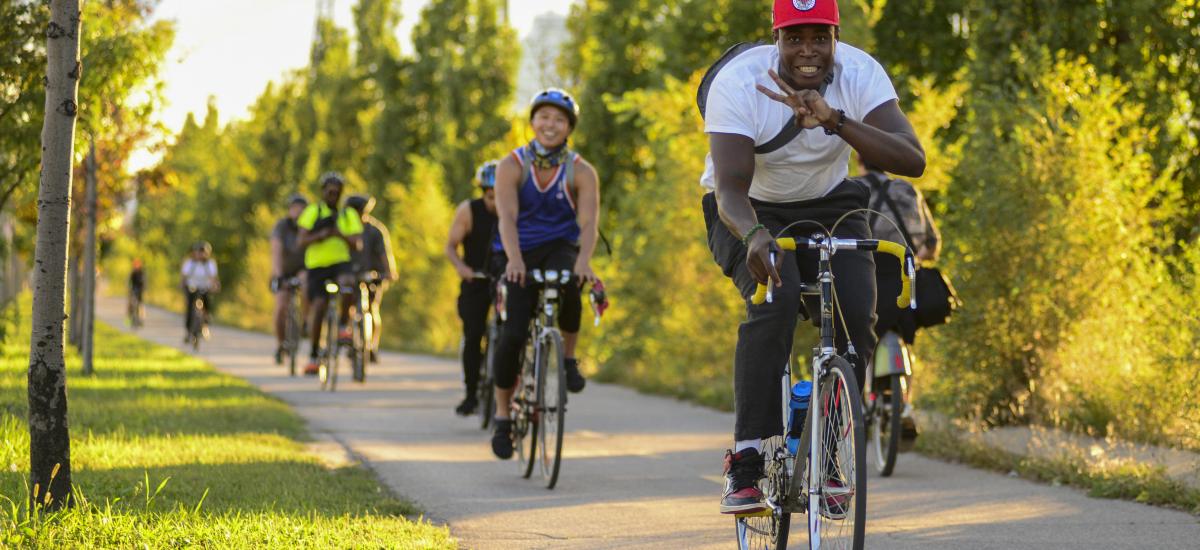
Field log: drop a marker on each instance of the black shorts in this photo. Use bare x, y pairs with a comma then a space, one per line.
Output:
317, 277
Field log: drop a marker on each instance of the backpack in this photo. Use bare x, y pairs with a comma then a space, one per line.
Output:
936, 298
790, 129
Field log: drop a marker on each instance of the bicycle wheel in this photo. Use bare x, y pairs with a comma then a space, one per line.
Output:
196, 325
885, 423
840, 518
329, 356
357, 351
484, 391
769, 530
552, 401
525, 425
291, 336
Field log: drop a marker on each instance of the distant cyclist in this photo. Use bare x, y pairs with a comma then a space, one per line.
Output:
137, 290
913, 216
287, 261
328, 232
844, 100
198, 278
473, 228
546, 221
375, 255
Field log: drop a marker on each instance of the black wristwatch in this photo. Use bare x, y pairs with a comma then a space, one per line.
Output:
841, 122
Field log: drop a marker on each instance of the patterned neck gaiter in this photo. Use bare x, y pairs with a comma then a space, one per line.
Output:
548, 158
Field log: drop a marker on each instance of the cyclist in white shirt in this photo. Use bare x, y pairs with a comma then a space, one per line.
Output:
198, 279
842, 99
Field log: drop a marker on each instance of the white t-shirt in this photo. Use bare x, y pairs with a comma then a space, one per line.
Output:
813, 163
199, 275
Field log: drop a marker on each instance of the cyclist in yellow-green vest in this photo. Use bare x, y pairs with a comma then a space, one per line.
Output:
328, 232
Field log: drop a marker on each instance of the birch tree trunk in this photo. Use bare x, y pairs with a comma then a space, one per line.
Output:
49, 441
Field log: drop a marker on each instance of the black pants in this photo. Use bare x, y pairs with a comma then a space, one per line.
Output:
522, 300
765, 337
187, 306
474, 299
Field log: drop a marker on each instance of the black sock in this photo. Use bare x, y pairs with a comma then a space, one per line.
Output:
570, 362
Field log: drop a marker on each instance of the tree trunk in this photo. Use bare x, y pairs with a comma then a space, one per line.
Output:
89, 266
49, 441
73, 292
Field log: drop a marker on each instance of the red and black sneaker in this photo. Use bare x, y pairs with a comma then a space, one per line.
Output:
835, 499
312, 368
742, 472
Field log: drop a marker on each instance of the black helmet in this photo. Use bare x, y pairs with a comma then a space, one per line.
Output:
296, 198
363, 203
332, 177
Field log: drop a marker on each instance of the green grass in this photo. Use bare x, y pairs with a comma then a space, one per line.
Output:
1135, 482
166, 452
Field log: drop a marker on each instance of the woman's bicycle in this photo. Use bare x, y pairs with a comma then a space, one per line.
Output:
824, 476
539, 405
362, 316
889, 414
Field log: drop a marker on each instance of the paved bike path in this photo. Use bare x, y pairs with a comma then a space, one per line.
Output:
641, 471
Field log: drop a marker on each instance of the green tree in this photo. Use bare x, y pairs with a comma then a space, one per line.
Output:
460, 86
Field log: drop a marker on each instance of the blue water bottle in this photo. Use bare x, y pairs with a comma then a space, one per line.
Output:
801, 392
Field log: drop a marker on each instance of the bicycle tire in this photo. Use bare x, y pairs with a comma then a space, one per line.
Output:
330, 355
196, 325
485, 393
885, 425
768, 531
552, 405
357, 352
291, 335
526, 414
839, 393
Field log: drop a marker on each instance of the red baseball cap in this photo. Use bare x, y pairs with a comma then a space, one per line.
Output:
799, 12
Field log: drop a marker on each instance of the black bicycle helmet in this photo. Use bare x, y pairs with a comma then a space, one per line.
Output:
363, 203
332, 177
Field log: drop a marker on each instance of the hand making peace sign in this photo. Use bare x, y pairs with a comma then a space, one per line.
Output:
810, 108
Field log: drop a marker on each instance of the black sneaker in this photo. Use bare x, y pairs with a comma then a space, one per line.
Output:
279, 355
575, 379
502, 444
468, 405
373, 357
742, 472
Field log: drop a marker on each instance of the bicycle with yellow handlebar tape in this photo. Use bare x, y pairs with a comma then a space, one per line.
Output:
824, 477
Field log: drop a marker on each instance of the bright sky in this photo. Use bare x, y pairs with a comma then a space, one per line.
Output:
230, 49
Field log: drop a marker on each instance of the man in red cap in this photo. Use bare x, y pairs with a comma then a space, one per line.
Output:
843, 99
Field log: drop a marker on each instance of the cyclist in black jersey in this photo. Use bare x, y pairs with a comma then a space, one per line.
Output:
473, 228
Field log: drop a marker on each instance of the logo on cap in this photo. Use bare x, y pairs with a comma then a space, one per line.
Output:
804, 5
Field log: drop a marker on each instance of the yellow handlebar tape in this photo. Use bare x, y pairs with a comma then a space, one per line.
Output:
898, 251
888, 247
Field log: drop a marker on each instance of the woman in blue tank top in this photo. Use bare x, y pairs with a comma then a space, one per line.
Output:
547, 199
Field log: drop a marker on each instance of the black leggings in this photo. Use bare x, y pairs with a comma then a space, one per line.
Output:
474, 299
765, 337
522, 300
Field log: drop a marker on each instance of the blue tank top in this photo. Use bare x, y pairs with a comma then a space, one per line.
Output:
546, 212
